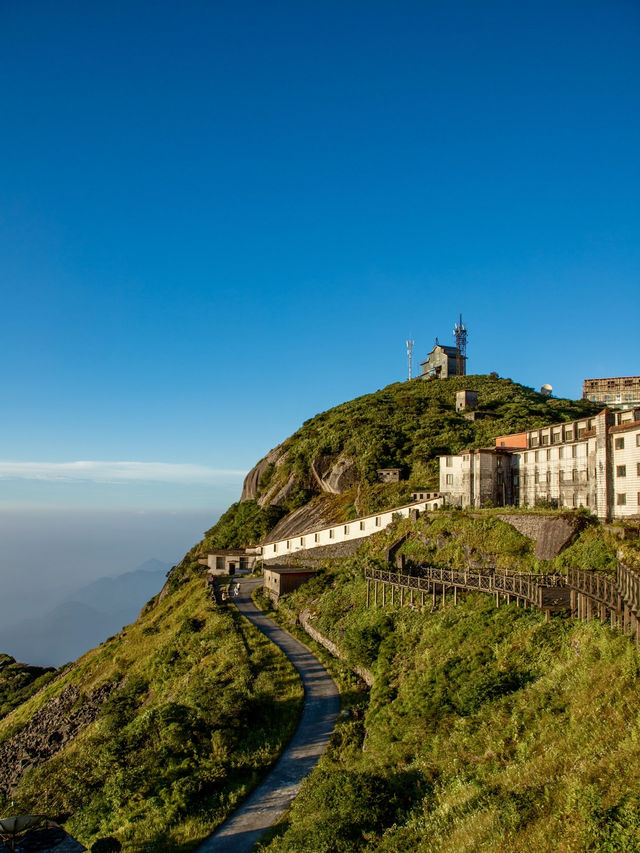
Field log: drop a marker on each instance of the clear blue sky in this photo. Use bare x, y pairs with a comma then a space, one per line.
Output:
218, 219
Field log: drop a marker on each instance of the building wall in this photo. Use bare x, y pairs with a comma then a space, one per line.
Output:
592, 463
627, 484
348, 531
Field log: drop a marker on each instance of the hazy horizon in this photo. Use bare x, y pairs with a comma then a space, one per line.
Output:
48, 552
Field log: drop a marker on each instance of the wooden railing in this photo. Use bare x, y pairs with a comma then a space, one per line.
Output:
585, 595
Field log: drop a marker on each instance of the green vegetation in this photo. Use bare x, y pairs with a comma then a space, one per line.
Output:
202, 705
19, 681
487, 729
405, 425
409, 423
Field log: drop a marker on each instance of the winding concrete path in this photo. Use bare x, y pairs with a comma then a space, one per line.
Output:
274, 794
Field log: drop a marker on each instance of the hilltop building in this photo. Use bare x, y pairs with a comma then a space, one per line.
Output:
591, 462
617, 392
442, 362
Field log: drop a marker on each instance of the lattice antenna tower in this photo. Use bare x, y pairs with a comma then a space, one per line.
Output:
410, 346
460, 335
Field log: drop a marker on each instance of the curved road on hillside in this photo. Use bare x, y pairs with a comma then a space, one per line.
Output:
321, 705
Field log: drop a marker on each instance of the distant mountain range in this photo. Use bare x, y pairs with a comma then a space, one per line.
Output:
84, 618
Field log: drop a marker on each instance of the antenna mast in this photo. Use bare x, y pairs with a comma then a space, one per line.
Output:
410, 346
460, 335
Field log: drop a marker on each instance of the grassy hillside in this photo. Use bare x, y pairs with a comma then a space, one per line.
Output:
404, 425
486, 729
200, 705
18, 681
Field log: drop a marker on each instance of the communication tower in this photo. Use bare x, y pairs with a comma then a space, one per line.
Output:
410, 346
460, 335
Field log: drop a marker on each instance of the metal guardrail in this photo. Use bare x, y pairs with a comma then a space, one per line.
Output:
584, 594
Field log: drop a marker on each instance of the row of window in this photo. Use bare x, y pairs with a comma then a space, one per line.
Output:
556, 436
332, 534
575, 477
541, 455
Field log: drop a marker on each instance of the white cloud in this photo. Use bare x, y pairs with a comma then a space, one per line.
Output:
116, 472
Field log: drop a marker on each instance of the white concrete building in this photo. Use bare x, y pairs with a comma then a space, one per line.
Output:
591, 462
347, 531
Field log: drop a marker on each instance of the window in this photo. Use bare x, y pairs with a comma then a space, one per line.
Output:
526, 456
548, 476
275, 548
537, 455
574, 451
574, 500
555, 438
568, 435
362, 525
346, 528
449, 483
621, 471
537, 477
545, 439
581, 432
638, 440
378, 517
449, 461
561, 453
621, 499
288, 544
302, 540
316, 537
638, 469
534, 441
574, 475
332, 533
619, 444
561, 476
548, 455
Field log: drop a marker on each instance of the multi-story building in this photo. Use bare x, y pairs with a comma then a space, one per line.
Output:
616, 392
591, 462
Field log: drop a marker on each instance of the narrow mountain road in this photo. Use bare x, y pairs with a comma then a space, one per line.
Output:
321, 705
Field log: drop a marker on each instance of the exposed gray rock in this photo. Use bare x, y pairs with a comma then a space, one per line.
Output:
552, 534
335, 474
252, 480
48, 731
310, 517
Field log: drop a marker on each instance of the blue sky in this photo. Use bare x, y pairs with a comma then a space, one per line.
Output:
217, 220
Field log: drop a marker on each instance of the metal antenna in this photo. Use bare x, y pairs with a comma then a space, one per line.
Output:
460, 335
410, 346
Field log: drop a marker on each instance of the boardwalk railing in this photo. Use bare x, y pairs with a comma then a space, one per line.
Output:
585, 595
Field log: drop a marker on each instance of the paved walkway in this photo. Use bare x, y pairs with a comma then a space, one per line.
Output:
321, 705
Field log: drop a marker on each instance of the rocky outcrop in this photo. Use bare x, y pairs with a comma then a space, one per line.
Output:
552, 534
251, 484
310, 517
335, 474
48, 731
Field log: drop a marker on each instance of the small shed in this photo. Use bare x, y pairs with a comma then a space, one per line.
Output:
279, 580
389, 475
